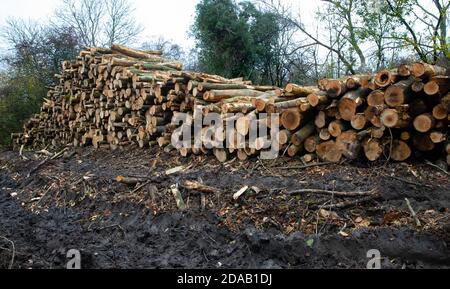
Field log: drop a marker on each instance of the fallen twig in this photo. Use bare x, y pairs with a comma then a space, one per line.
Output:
413, 213
140, 186
406, 181
352, 202
46, 192
55, 156
194, 185
130, 180
13, 254
437, 167
303, 167
178, 198
21, 153
335, 193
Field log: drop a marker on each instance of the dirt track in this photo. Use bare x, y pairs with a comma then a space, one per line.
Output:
74, 203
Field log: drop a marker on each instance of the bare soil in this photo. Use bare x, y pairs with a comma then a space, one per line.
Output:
74, 202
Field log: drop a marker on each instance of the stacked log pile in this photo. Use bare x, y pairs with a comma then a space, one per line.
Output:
120, 96
110, 98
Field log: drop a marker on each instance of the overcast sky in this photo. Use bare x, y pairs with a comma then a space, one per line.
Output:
171, 18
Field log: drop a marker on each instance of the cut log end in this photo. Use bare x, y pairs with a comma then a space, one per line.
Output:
347, 109
400, 151
375, 98
291, 119
372, 149
424, 122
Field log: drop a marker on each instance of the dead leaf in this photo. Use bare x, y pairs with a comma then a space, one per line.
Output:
328, 214
343, 234
391, 216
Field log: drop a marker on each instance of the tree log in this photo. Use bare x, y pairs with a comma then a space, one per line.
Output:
424, 122
437, 84
426, 71
398, 93
300, 136
350, 102
335, 88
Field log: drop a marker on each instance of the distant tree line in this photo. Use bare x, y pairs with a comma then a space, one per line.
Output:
265, 41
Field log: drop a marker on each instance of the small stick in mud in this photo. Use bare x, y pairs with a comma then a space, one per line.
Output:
437, 167
339, 194
141, 186
194, 185
413, 213
352, 202
303, 167
13, 251
21, 152
407, 181
130, 180
178, 198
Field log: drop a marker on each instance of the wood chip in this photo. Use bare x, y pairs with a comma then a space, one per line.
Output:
240, 192
174, 170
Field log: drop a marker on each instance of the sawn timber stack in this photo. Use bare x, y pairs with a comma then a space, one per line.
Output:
110, 98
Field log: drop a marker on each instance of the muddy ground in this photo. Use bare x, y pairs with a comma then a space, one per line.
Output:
74, 202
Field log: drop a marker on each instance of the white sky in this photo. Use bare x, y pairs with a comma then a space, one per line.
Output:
171, 18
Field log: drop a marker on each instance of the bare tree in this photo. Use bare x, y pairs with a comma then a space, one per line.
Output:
286, 14
431, 40
100, 22
169, 48
120, 26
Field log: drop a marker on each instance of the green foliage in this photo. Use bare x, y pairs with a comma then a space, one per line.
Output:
20, 98
37, 53
235, 39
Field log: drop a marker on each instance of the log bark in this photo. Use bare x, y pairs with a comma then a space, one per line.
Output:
218, 95
350, 102
300, 136
301, 91
311, 143
134, 53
